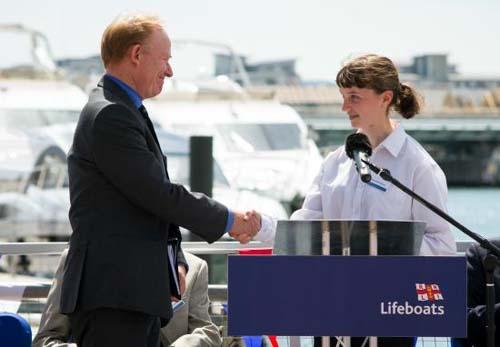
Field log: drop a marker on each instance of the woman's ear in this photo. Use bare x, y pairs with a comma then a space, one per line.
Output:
387, 97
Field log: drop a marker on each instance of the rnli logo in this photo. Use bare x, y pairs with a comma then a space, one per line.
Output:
428, 292
427, 295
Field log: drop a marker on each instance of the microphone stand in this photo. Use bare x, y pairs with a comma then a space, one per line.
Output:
489, 262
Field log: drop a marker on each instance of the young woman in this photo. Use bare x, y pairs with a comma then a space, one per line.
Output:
371, 89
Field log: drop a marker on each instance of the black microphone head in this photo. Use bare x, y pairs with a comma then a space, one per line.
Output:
357, 142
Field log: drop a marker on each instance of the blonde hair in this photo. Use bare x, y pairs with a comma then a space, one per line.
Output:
124, 32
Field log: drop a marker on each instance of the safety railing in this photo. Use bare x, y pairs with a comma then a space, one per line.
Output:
33, 295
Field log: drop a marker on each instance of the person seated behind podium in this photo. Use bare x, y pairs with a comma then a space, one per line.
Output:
476, 298
190, 326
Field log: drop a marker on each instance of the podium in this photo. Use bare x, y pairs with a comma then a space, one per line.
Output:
301, 293
343, 237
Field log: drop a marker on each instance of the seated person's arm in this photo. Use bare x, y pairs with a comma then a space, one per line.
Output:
201, 330
476, 298
54, 326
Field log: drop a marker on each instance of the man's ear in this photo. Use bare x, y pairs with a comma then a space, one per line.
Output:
134, 53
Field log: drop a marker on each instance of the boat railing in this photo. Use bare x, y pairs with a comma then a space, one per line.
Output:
217, 292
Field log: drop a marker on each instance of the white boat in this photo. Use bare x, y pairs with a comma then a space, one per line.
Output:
33, 98
261, 144
44, 212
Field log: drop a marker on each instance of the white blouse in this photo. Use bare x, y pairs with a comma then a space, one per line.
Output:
338, 192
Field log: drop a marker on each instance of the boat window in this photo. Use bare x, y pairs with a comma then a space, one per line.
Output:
26, 119
261, 137
283, 136
244, 137
19, 56
250, 137
20, 119
60, 116
29, 53
178, 169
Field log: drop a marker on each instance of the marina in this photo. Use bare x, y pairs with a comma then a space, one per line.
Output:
271, 133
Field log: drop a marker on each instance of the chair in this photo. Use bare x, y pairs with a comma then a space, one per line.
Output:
14, 330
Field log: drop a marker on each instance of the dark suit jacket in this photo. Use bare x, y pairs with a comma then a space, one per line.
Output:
476, 297
123, 211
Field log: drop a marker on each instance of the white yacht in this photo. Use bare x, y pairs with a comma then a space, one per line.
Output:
262, 145
44, 212
33, 98
38, 110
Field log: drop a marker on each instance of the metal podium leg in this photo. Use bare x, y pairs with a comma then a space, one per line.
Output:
294, 341
373, 238
325, 233
325, 238
346, 251
373, 341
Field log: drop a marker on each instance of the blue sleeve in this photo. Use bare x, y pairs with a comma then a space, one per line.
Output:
230, 221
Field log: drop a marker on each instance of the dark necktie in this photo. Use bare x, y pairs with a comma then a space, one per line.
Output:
144, 113
172, 245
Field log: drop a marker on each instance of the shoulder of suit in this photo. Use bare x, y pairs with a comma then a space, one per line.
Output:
100, 109
482, 251
194, 262
496, 241
101, 99
476, 251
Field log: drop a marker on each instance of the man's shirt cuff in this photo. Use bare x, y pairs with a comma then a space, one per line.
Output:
230, 221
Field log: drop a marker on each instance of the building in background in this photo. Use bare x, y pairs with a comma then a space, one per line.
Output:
434, 70
273, 72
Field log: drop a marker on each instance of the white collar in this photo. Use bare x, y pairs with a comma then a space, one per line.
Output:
395, 141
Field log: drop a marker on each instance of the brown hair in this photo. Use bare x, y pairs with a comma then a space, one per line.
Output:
125, 32
379, 74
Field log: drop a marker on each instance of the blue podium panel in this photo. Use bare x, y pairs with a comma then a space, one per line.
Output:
347, 296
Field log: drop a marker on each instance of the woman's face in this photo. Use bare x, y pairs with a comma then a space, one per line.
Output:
366, 109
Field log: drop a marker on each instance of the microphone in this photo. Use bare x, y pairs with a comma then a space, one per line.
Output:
358, 148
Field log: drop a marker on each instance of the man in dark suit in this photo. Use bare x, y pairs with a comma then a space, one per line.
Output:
476, 297
125, 261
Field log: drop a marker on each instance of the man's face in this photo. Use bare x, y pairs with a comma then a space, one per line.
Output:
153, 65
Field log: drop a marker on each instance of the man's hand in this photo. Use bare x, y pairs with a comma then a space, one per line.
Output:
245, 226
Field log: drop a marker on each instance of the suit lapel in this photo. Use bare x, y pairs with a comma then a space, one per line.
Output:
117, 94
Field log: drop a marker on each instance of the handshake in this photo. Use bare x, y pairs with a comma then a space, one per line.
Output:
245, 226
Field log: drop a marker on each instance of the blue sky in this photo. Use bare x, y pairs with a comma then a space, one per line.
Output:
319, 33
